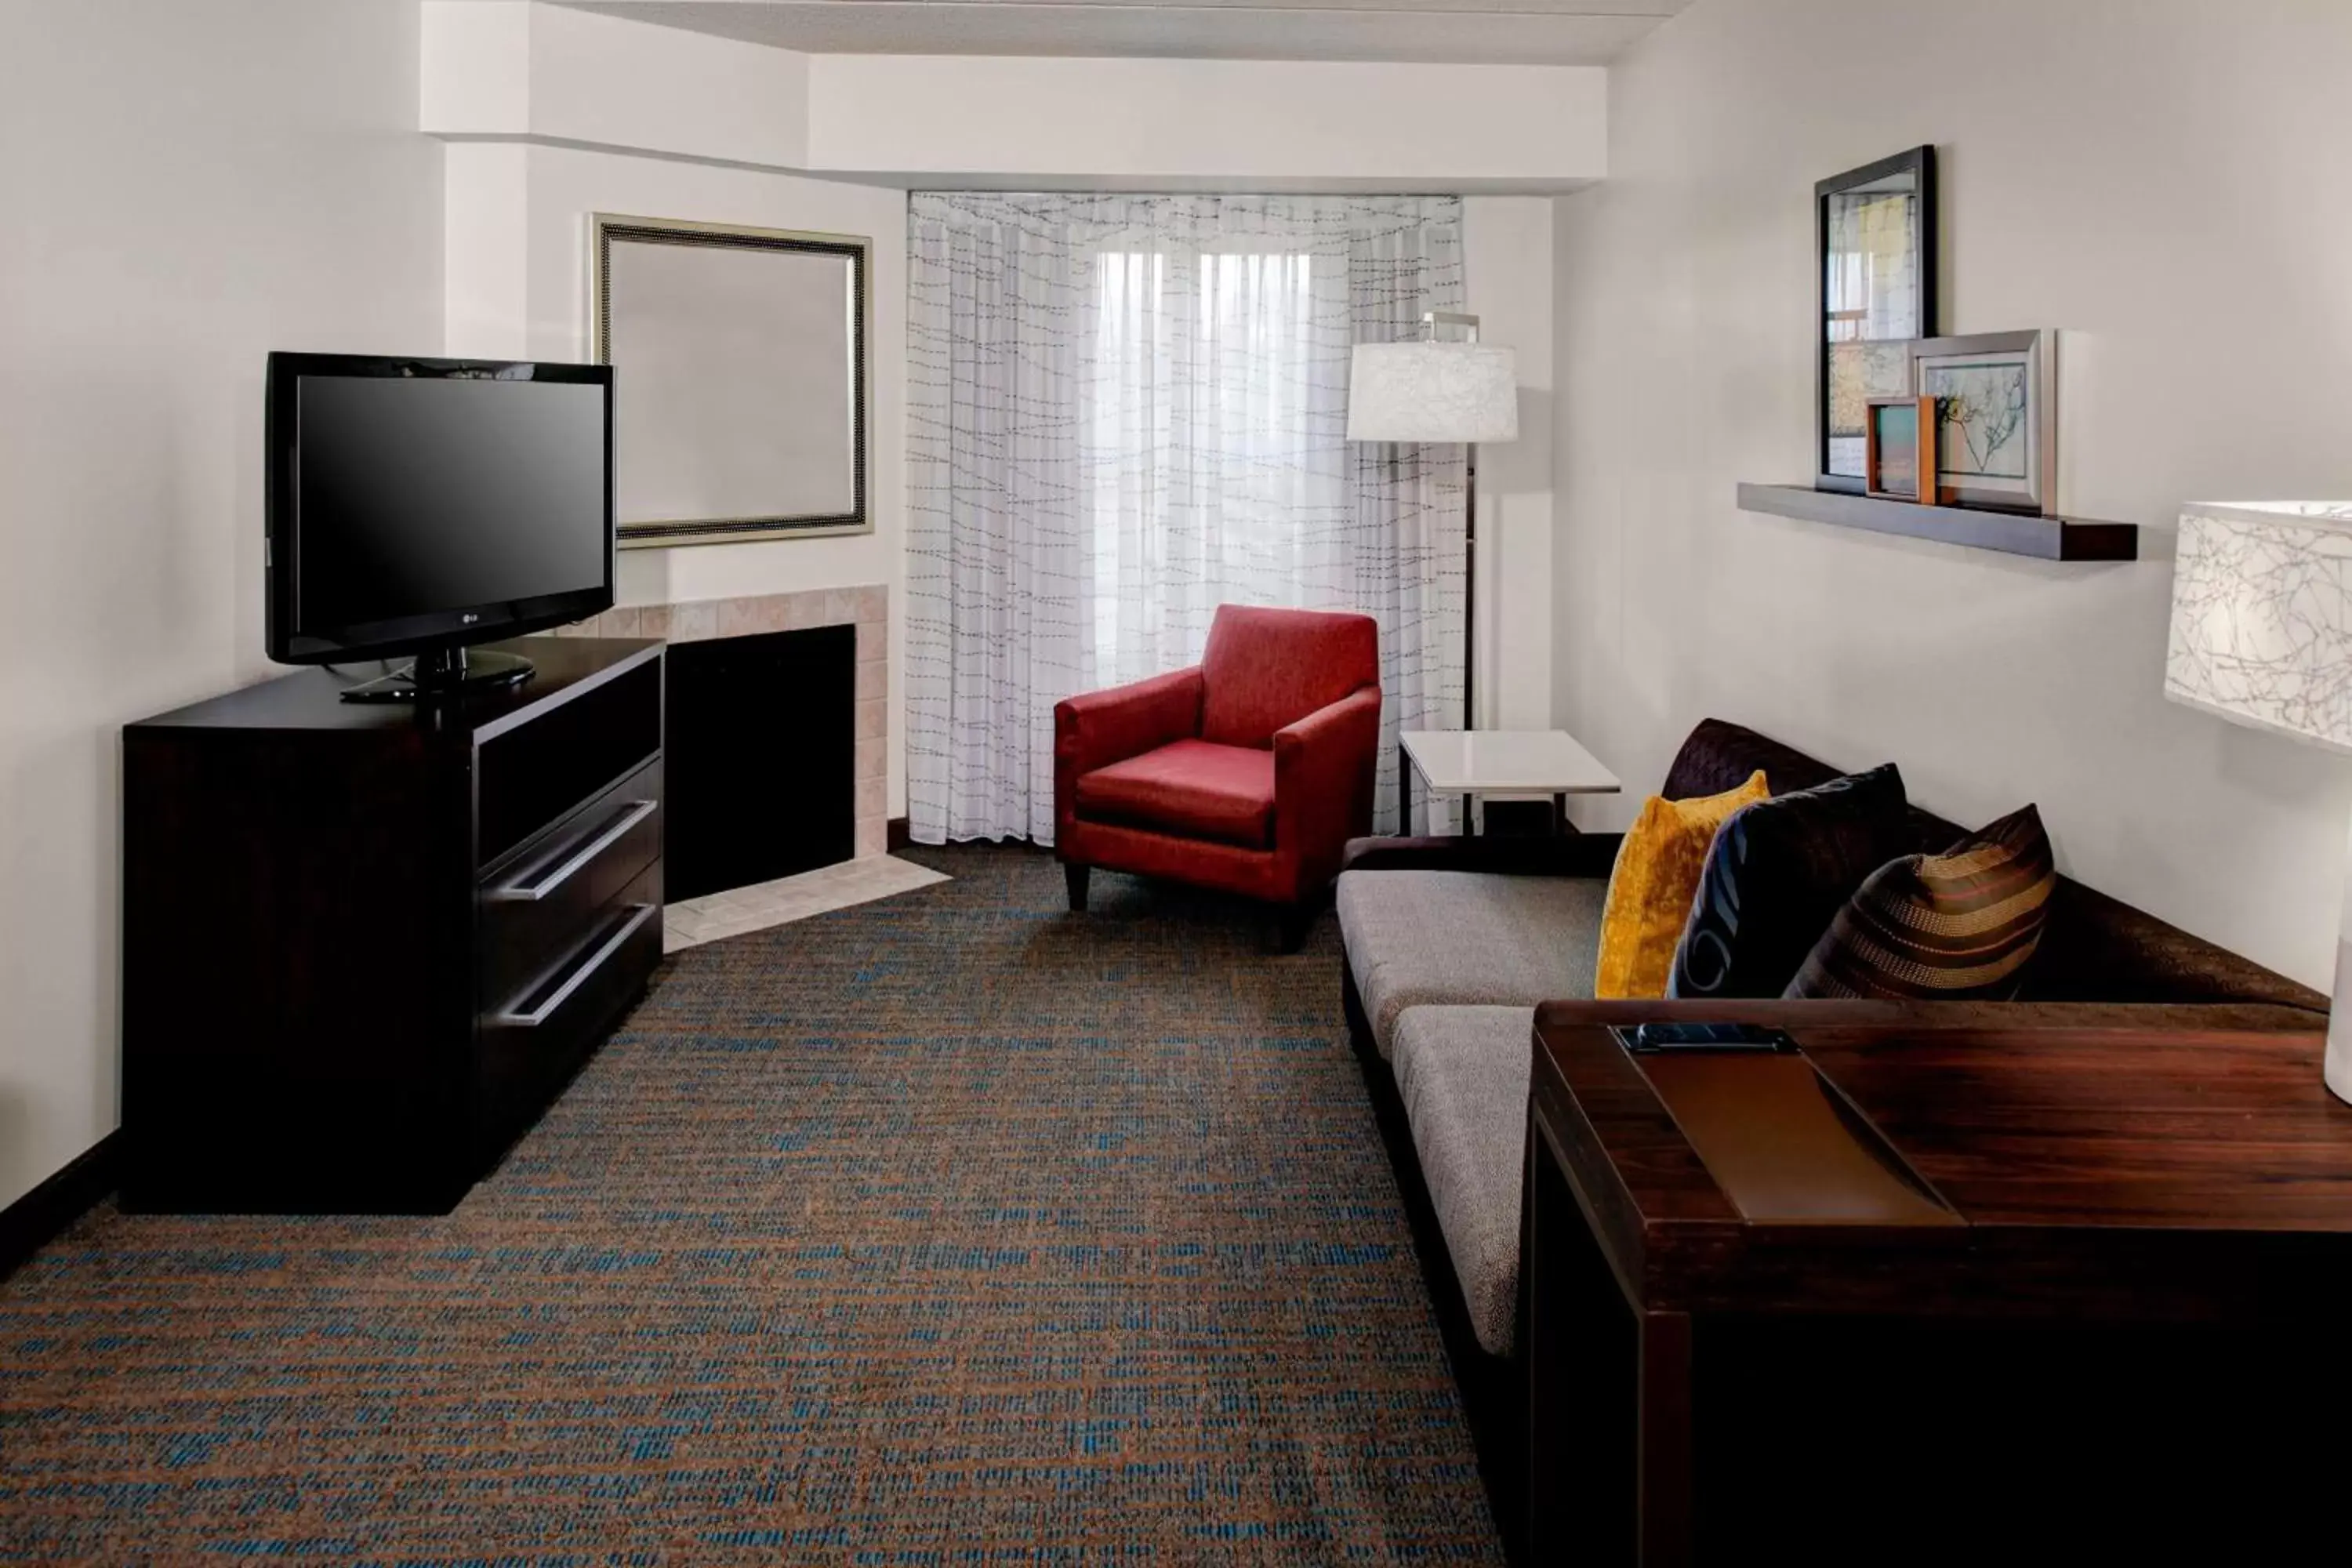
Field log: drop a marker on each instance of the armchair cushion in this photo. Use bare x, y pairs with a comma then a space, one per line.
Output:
1265, 669
1189, 788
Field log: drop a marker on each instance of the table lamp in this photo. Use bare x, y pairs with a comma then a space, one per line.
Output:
2262, 634
1434, 391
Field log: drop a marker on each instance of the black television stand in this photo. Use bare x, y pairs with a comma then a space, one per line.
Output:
444, 672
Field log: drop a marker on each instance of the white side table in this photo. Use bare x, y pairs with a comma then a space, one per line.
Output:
1471, 762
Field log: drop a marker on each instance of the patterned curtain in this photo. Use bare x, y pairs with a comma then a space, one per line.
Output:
1124, 411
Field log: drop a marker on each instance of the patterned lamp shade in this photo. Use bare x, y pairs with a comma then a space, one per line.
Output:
2262, 617
1432, 392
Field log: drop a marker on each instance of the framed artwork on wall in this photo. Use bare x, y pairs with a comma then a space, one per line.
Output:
740, 392
1875, 275
1901, 447
1996, 396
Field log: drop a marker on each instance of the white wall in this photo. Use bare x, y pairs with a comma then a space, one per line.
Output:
508, 69
187, 188
1150, 124
2168, 180
1507, 262
518, 217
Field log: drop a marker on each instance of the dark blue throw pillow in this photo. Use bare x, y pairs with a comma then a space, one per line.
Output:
1777, 874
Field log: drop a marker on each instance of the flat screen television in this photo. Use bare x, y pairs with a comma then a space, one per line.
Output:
420, 506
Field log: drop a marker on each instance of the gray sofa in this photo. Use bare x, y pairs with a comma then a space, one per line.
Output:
1451, 944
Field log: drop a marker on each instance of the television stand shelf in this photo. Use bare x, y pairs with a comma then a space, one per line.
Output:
2013, 533
364, 945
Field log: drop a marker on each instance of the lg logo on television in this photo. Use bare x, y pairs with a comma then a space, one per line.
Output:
467, 620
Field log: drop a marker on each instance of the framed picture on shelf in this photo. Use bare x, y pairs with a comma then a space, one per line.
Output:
1874, 269
1996, 398
1899, 447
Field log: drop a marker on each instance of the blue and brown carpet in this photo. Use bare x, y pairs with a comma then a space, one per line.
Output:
949, 1229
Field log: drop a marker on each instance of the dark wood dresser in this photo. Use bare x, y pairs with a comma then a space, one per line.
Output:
364, 945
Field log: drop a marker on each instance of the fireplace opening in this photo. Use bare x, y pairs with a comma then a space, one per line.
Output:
760, 756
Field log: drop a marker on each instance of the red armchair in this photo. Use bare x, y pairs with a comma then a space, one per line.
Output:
1249, 772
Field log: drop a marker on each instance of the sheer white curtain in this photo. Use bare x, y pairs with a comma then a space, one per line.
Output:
1125, 411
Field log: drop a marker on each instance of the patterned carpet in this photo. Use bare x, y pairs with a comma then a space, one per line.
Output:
947, 1229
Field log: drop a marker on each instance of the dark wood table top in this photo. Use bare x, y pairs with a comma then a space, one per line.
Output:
2163, 1174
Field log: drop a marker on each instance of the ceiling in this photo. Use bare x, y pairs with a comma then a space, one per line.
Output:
1478, 32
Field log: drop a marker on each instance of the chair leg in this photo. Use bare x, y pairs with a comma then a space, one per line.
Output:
1075, 876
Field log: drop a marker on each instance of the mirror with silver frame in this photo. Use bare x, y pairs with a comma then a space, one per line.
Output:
740, 392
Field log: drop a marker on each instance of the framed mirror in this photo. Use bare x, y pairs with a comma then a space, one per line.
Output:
1874, 267
740, 384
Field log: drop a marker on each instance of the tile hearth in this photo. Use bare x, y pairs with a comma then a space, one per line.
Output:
739, 909
865, 607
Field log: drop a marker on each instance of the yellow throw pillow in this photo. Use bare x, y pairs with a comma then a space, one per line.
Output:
1651, 889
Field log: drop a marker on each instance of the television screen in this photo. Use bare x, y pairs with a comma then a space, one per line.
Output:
421, 495
421, 502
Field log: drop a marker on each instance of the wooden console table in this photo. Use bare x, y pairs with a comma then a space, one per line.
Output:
2022, 1295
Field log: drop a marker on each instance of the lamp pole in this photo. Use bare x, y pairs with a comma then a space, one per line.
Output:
1431, 321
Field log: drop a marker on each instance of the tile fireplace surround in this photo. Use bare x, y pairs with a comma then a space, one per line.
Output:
867, 607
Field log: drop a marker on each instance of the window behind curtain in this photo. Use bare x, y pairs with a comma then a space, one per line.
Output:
1206, 451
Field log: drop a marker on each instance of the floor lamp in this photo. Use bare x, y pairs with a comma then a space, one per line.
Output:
1432, 392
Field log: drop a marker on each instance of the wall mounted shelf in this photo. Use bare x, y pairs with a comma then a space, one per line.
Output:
2047, 538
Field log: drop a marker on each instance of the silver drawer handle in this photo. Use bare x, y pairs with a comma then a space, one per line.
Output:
531, 893
580, 975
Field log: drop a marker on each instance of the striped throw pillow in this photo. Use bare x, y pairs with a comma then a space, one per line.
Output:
1954, 927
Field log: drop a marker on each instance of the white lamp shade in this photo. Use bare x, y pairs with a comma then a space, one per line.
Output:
1432, 392
2262, 617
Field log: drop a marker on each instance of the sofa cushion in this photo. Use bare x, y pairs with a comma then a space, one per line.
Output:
1716, 755
1653, 884
2099, 949
1779, 873
1190, 788
1424, 938
1951, 927
1463, 1074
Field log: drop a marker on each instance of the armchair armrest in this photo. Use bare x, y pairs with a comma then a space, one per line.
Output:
1096, 729
1323, 767
1099, 728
